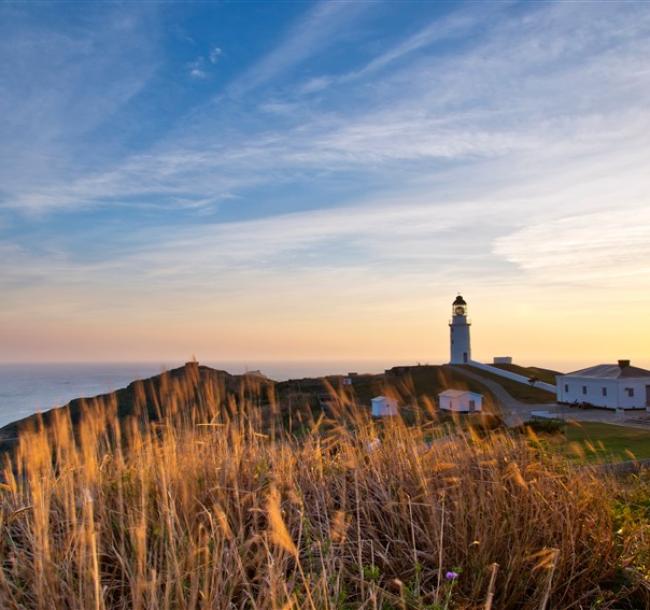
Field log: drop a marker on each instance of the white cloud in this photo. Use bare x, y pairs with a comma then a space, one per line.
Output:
284, 257
215, 55
313, 33
546, 88
458, 24
199, 69
196, 68
61, 85
544, 119
607, 249
316, 84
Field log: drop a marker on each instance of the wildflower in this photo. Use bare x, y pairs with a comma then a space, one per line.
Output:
451, 575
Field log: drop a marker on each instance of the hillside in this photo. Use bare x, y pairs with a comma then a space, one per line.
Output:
287, 404
545, 375
522, 392
208, 504
147, 399
413, 384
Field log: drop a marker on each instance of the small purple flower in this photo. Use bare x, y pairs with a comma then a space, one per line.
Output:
451, 575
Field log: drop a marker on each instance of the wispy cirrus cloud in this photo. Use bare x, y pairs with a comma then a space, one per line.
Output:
312, 34
607, 248
60, 87
518, 91
461, 24
441, 159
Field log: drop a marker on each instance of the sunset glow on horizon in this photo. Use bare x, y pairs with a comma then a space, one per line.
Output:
261, 182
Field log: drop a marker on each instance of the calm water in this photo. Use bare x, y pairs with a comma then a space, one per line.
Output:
28, 388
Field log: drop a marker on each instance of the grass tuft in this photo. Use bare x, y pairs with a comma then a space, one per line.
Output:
213, 504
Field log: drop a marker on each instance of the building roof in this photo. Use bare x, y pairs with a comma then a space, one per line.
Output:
459, 301
458, 393
611, 371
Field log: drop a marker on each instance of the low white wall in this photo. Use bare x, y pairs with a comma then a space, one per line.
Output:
513, 376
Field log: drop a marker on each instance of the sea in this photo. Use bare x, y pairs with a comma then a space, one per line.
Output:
28, 388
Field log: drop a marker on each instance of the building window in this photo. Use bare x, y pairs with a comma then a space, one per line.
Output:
566, 387
584, 389
604, 391
630, 392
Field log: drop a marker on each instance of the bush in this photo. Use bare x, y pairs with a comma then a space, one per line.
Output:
545, 426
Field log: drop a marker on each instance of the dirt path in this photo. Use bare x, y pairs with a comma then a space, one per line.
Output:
513, 411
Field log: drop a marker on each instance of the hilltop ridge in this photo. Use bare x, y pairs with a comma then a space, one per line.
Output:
143, 397
149, 399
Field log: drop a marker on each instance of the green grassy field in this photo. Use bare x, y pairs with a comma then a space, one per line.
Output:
416, 383
520, 391
596, 442
546, 375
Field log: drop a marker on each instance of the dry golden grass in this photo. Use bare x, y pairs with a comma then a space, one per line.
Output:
213, 506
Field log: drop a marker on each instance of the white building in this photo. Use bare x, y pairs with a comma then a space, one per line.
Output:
382, 406
612, 386
256, 373
461, 401
502, 360
459, 331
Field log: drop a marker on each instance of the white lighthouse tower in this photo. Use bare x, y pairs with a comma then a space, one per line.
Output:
459, 337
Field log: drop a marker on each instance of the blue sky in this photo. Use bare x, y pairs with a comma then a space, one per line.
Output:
318, 179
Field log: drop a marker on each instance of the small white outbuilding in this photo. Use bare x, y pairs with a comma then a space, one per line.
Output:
461, 401
502, 360
382, 406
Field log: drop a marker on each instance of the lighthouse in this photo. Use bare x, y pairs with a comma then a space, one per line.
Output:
459, 333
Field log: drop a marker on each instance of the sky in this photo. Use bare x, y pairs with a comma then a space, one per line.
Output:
315, 181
